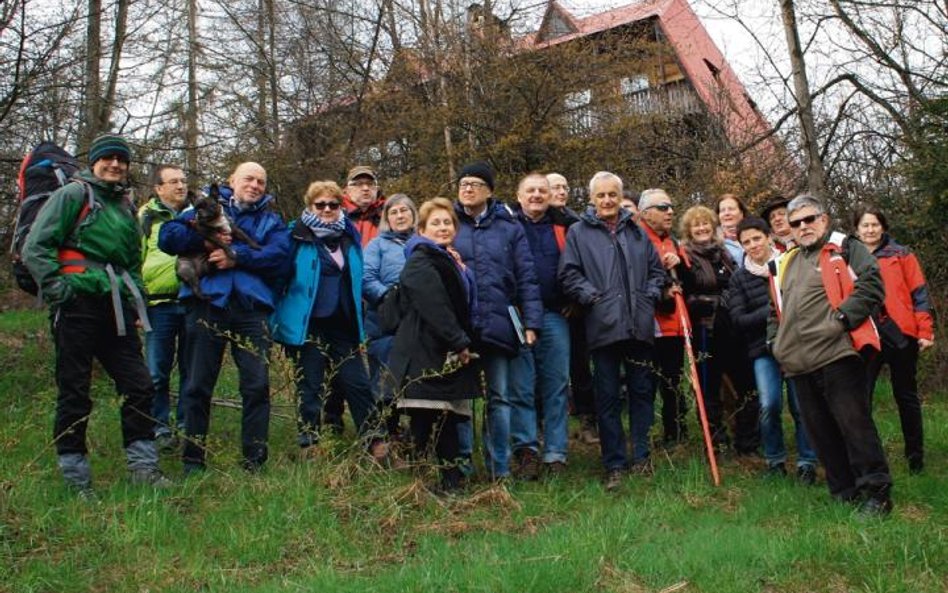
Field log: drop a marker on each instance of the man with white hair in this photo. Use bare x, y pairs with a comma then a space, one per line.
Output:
610, 268
824, 292
656, 217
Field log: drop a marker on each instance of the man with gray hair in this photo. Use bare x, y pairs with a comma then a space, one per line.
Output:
610, 268
824, 291
656, 217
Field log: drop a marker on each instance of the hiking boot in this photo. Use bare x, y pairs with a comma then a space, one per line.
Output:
588, 431
806, 474
916, 465
875, 507
642, 468
166, 442
527, 466
554, 469
613, 480
777, 470
379, 451
149, 477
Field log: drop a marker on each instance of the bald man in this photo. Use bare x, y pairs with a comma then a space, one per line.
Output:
237, 300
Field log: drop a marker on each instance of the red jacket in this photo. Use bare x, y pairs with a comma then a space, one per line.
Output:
365, 221
906, 294
666, 323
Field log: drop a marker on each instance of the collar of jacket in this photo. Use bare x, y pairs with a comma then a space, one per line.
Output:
156, 205
625, 220
552, 215
375, 208
494, 209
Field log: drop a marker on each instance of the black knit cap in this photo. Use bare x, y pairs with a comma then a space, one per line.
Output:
479, 169
109, 145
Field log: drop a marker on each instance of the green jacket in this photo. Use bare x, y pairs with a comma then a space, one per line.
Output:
109, 233
158, 267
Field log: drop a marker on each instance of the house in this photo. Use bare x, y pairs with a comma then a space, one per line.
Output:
641, 90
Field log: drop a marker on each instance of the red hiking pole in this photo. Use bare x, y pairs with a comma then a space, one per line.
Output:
699, 396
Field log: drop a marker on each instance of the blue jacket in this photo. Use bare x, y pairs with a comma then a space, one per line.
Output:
384, 260
290, 321
617, 277
496, 249
257, 271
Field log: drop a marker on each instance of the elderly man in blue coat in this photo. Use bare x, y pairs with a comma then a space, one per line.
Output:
509, 310
237, 298
610, 268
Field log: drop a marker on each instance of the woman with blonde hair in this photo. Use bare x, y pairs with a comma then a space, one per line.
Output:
431, 361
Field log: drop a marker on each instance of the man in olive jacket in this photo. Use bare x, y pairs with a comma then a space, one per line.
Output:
84, 251
824, 292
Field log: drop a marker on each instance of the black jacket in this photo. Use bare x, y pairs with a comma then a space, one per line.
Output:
616, 276
436, 320
749, 305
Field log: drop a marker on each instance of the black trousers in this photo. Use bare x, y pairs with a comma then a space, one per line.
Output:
834, 405
580, 374
739, 369
903, 364
83, 329
443, 426
669, 357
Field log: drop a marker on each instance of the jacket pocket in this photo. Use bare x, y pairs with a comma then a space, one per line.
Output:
605, 315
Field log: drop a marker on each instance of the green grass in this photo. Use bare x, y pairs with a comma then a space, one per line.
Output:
341, 524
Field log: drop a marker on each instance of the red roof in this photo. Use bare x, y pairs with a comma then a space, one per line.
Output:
706, 68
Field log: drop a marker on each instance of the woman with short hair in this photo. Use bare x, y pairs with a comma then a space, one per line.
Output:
431, 361
905, 325
319, 317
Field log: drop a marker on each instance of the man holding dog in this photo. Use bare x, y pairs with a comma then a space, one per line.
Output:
83, 251
237, 300
166, 341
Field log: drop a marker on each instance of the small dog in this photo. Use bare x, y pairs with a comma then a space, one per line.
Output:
210, 222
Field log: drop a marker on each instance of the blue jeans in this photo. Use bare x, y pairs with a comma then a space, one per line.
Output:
383, 385
497, 367
165, 342
210, 330
334, 348
770, 386
543, 370
636, 357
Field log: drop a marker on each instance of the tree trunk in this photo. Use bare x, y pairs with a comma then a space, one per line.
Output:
816, 176
93, 91
191, 114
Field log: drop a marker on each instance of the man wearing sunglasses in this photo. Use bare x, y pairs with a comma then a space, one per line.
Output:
656, 217
824, 292
238, 298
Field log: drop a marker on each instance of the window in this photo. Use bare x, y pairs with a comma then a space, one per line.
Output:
634, 84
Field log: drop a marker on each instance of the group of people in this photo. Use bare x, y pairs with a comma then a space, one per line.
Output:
418, 309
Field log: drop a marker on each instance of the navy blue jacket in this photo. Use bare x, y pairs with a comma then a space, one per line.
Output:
617, 277
496, 249
290, 322
546, 251
250, 282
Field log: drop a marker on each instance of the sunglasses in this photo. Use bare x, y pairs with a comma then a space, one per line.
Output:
806, 219
661, 207
324, 205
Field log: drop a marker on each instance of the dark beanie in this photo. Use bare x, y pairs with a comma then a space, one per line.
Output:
478, 169
109, 144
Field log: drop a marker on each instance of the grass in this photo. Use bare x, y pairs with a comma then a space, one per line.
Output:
339, 523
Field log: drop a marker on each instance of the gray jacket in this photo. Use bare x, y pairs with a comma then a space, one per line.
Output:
616, 276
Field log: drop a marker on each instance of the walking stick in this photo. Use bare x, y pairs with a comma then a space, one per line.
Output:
699, 396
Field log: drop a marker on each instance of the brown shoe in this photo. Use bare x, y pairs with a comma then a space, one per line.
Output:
589, 431
379, 451
613, 480
554, 469
527, 466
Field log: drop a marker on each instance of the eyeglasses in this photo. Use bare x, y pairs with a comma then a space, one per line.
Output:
361, 184
806, 219
471, 184
324, 205
181, 181
661, 207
